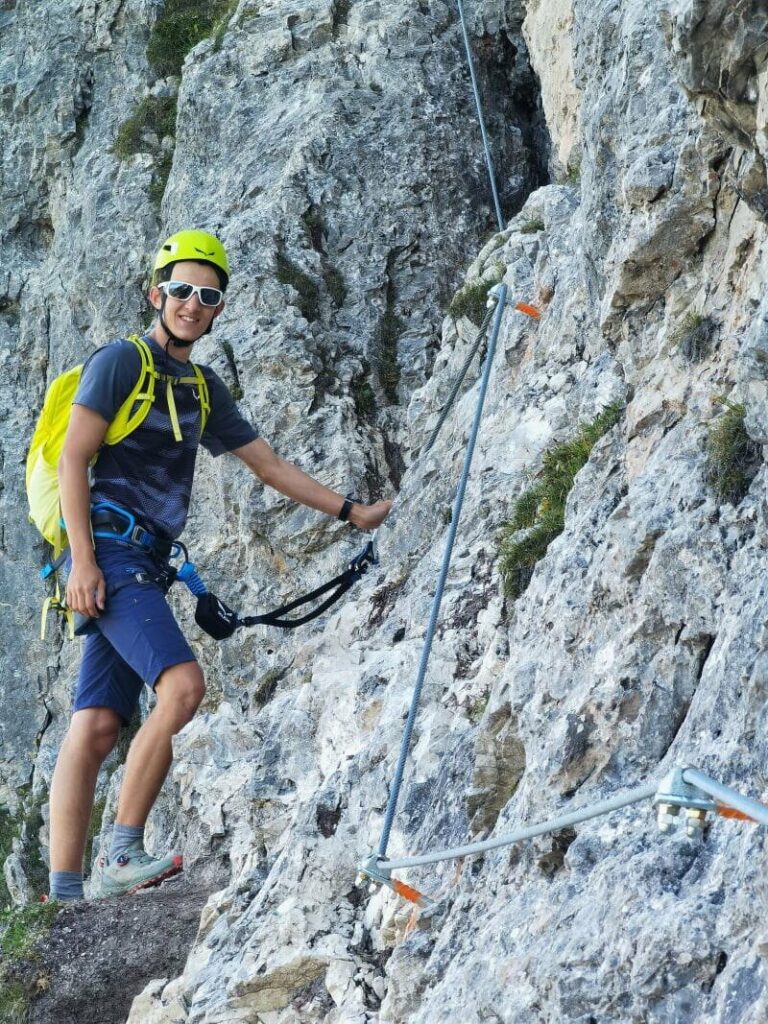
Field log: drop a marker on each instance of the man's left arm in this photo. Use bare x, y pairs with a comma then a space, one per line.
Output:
294, 483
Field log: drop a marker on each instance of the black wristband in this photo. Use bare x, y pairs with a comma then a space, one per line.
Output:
346, 508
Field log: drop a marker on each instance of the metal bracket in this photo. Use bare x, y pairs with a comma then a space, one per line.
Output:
675, 795
376, 875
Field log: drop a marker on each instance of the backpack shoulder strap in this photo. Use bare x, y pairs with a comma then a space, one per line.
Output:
204, 395
135, 408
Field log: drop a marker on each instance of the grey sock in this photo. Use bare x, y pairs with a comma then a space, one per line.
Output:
66, 885
123, 837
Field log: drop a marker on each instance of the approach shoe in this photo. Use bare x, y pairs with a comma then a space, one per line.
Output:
133, 870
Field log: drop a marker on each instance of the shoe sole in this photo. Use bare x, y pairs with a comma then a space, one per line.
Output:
149, 883
176, 868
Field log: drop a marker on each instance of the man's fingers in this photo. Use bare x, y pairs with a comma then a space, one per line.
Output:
101, 594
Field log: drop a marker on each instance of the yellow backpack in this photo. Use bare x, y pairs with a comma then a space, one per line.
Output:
48, 440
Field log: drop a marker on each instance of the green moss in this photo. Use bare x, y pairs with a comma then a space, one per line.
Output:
538, 515
572, 175
182, 25
221, 26
34, 866
156, 114
9, 830
14, 1002
733, 458
337, 289
309, 293
21, 929
477, 708
471, 300
235, 389
313, 222
390, 329
363, 395
531, 227
160, 179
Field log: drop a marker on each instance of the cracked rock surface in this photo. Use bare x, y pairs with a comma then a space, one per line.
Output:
334, 148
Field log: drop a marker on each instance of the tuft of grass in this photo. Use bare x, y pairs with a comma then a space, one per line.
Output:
9, 830
156, 114
390, 329
309, 294
538, 515
733, 458
182, 25
337, 289
363, 395
14, 1002
470, 301
20, 929
531, 227
222, 24
315, 227
160, 179
573, 174
694, 336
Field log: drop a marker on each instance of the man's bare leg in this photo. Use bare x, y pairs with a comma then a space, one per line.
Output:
92, 734
179, 692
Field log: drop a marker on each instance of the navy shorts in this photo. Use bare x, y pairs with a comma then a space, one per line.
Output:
135, 638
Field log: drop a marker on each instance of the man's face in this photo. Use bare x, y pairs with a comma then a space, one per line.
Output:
190, 319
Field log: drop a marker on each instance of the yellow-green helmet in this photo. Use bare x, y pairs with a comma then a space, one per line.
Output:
192, 245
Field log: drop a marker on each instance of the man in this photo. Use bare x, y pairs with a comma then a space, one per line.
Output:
134, 639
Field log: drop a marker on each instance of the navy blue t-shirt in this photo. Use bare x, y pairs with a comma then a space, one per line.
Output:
149, 472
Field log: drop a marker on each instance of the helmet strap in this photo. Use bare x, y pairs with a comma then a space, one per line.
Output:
180, 342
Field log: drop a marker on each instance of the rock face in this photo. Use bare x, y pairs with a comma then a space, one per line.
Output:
334, 149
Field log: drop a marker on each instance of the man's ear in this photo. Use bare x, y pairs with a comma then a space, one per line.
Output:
219, 309
155, 297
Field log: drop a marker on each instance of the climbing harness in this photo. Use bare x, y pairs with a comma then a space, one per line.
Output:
684, 794
113, 522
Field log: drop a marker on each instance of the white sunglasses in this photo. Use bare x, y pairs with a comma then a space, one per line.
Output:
182, 291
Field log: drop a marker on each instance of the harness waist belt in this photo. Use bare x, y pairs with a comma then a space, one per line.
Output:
120, 526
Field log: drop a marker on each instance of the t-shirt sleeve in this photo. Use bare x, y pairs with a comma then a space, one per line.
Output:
108, 377
226, 428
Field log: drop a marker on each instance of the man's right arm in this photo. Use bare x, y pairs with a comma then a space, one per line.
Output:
85, 434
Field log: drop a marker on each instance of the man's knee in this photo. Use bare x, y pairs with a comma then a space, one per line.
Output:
180, 690
95, 730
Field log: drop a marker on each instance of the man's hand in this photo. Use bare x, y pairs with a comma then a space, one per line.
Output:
86, 589
369, 517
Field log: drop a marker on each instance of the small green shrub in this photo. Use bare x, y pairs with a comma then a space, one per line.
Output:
313, 222
390, 329
531, 227
337, 289
694, 336
160, 178
309, 293
733, 458
363, 397
155, 114
181, 26
471, 300
14, 1002
538, 515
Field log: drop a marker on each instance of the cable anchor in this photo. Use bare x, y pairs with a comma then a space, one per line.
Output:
673, 796
371, 870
